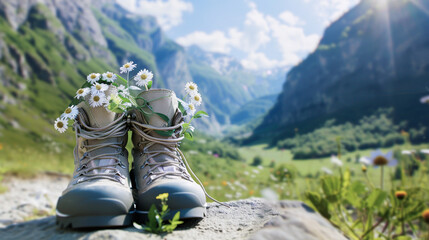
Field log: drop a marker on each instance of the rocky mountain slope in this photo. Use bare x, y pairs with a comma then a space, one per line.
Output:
376, 55
47, 47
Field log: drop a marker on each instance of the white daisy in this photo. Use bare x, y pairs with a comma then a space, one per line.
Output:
424, 99
380, 159
336, 161
327, 170
425, 151
109, 77
196, 99
128, 67
191, 88
97, 100
82, 93
190, 110
407, 152
61, 125
143, 77
365, 161
123, 91
93, 78
70, 112
99, 88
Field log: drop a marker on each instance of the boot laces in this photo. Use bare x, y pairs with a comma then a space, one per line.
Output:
170, 144
87, 171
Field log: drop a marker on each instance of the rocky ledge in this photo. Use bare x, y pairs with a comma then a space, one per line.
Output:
253, 218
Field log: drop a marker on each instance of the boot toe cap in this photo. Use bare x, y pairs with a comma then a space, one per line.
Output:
95, 199
182, 194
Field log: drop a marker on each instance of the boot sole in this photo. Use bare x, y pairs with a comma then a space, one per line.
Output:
141, 217
95, 221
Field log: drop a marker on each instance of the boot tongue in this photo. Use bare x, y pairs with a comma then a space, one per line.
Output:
98, 116
162, 101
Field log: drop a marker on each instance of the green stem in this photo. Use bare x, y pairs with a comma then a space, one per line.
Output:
382, 177
369, 181
402, 218
183, 99
339, 212
372, 228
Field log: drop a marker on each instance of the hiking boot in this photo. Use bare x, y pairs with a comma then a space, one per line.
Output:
159, 165
99, 193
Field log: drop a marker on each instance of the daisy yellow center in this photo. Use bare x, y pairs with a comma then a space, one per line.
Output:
98, 87
60, 125
109, 75
191, 107
127, 65
80, 91
96, 98
143, 76
68, 110
197, 98
192, 87
380, 161
93, 76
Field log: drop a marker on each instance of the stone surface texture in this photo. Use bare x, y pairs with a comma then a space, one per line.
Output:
254, 218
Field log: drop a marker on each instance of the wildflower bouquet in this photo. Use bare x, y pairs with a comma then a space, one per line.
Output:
120, 95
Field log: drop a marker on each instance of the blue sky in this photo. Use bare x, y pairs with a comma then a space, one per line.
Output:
261, 34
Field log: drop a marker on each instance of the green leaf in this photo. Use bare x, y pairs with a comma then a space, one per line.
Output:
164, 208
122, 80
358, 187
124, 99
165, 133
319, 203
152, 217
164, 117
331, 186
176, 217
149, 84
189, 136
376, 198
182, 109
346, 178
200, 114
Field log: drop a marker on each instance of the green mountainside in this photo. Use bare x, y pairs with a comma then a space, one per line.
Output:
375, 56
48, 47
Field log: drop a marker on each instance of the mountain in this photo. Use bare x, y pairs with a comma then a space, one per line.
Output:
374, 56
47, 47
224, 79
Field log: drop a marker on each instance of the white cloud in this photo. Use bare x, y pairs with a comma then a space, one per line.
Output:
292, 40
259, 30
290, 18
258, 60
216, 41
169, 13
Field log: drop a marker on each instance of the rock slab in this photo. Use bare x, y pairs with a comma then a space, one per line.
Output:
256, 219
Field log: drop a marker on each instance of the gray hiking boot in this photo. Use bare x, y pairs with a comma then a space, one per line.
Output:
99, 194
159, 166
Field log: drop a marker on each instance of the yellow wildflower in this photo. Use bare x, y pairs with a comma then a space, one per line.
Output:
162, 196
